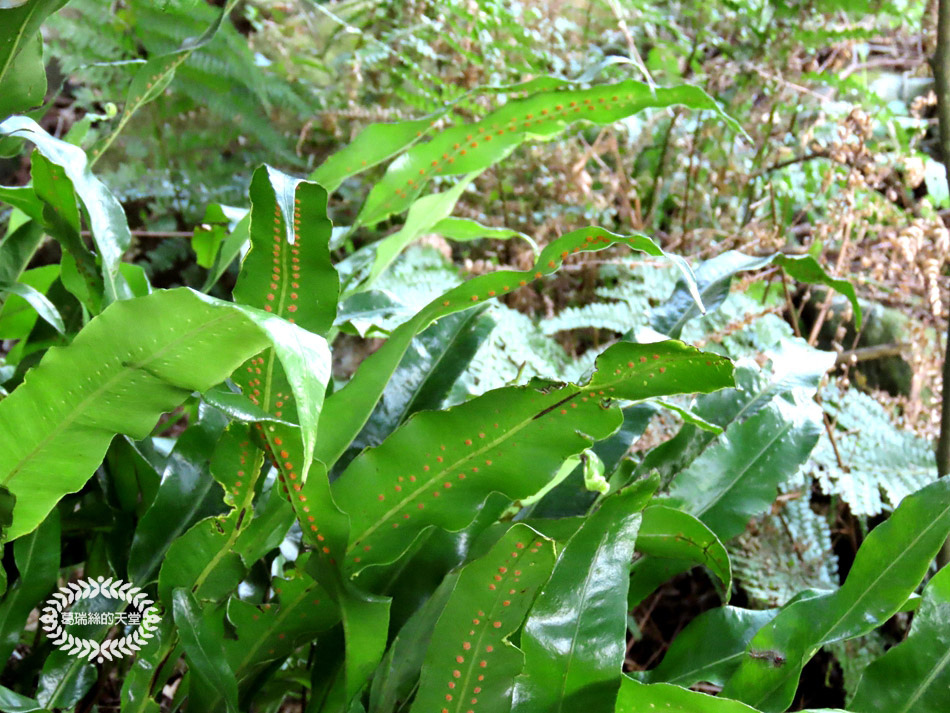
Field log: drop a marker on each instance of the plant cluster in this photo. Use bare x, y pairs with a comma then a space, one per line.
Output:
479, 507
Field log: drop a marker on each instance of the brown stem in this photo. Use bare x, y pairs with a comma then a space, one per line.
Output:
941, 69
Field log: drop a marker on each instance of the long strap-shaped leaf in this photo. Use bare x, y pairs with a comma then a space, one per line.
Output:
110, 231
737, 478
914, 676
887, 569
137, 360
574, 636
467, 148
440, 466
348, 409
470, 663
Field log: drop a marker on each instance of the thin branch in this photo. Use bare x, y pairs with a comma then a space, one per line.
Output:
941, 70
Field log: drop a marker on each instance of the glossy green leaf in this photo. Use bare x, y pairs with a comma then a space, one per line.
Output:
466, 229
202, 561
737, 477
441, 465
348, 409
638, 697
711, 647
573, 639
399, 670
230, 248
24, 84
110, 231
12, 702
288, 270
185, 495
270, 631
913, 676
423, 214
888, 567
470, 657
79, 270
467, 148
674, 534
375, 144
140, 358
19, 28
365, 628
17, 316
37, 560
204, 650
434, 361
38, 301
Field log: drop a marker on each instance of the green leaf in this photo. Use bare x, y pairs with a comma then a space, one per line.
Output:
441, 465
202, 562
37, 561
470, 657
711, 646
638, 697
230, 249
434, 361
273, 630
915, 674
17, 316
110, 231
365, 628
348, 409
399, 670
15, 703
186, 494
288, 270
466, 229
467, 148
139, 359
204, 649
375, 144
888, 567
38, 301
424, 213
673, 534
573, 639
61, 218
737, 477
18, 29
24, 85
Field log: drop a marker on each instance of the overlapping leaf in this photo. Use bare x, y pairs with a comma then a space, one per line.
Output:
889, 565
110, 231
470, 661
638, 697
348, 409
440, 466
573, 638
913, 676
140, 358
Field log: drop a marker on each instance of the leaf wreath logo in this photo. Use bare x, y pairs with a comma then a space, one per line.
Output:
53, 616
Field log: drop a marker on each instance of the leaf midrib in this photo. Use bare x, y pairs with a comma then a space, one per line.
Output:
439, 474
101, 389
823, 640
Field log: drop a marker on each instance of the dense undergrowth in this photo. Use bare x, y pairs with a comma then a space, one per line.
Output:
559, 355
